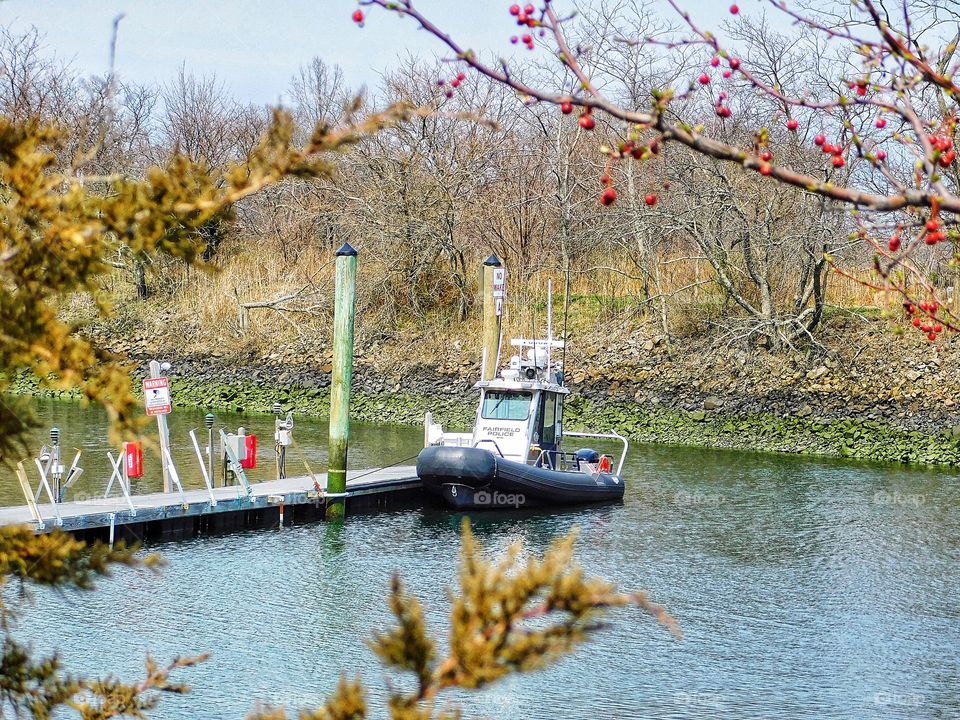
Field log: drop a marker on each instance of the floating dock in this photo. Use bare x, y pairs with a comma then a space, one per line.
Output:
169, 516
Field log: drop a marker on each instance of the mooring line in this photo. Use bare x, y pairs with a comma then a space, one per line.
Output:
374, 470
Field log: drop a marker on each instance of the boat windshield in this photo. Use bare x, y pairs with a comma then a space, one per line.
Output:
505, 406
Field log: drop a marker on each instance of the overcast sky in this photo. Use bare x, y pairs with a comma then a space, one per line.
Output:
255, 47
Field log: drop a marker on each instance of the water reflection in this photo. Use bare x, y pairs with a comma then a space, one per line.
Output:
805, 588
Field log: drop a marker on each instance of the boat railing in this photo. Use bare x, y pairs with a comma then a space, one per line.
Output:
557, 460
606, 436
492, 442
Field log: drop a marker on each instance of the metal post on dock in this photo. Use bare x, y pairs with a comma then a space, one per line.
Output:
164, 431
208, 420
342, 378
492, 311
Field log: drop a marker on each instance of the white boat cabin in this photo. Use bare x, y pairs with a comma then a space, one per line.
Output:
520, 414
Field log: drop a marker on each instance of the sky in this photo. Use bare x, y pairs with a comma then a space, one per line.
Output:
255, 47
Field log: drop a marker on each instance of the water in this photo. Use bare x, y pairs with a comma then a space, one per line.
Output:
805, 589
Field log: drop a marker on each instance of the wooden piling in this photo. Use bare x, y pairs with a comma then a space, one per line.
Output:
342, 378
491, 321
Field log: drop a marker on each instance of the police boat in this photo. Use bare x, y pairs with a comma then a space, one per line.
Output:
514, 456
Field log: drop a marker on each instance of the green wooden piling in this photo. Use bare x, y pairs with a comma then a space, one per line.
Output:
342, 378
491, 324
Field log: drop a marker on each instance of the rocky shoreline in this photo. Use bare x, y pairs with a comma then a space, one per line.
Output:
860, 402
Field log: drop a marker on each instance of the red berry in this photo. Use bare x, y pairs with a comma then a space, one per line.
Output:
566, 107
766, 156
938, 328
734, 9
528, 9
819, 140
924, 306
861, 90
894, 243
527, 39
514, 10
932, 225
654, 146
522, 19
933, 307
514, 39
916, 322
609, 196
932, 336
723, 111
358, 16
881, 155
704, 79
881, 123
449, 93
734, 63
650, 199
455, 83
587, 122
838, 161
605, 179
727, 73
765, 169
714, 61
792, 125
461, 77
947, 158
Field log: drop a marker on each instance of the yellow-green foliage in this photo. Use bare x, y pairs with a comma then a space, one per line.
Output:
57, 227
511, 615
508, 616
37, 688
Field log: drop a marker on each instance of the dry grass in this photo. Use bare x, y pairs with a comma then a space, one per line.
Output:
205, 306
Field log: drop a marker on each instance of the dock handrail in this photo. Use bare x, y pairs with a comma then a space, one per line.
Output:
28, 494
609, 436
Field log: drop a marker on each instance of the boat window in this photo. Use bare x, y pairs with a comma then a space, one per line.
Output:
505, 406
549, 435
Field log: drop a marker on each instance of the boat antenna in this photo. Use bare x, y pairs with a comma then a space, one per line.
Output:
566, 312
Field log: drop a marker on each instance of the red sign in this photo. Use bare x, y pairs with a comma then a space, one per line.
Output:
156, 396
249, 459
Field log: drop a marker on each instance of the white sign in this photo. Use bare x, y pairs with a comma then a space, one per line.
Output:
156, 396
499, 283
499, 304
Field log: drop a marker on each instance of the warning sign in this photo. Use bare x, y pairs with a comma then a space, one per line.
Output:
499, 282
156, 396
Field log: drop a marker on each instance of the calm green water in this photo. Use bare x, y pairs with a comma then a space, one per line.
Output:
805, 589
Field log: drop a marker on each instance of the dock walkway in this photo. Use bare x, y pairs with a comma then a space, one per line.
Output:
171, 515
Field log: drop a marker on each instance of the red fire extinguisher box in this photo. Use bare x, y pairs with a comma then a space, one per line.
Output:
249, 460
133, 456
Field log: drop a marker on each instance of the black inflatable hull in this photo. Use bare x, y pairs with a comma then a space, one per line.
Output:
475, 478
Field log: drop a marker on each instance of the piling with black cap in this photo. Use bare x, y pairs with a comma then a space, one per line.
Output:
491, 324
342, 378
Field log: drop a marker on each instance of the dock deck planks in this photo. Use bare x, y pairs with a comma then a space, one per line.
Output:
91, 514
